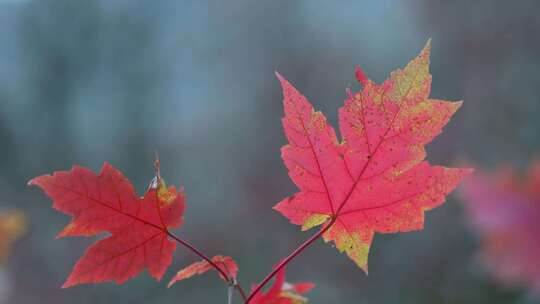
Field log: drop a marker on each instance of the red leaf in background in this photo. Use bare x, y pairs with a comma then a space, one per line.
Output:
282, 292
376, 179
225, 263
107, 203
505, 211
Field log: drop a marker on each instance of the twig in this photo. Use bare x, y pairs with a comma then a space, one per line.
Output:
231, 281
291, 256
230, 294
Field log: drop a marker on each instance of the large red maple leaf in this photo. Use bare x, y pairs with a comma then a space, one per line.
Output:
504, 209
376, 178
107, 202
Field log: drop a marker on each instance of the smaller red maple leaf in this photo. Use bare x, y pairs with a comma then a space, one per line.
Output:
107, 202
225, 263
282, 292
505, 211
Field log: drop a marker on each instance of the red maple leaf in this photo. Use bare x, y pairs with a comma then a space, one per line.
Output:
376, 178
505, 211
282, 292
225, 263
107, 202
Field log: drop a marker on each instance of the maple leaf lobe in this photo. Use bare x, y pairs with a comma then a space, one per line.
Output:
376, 179
360, 76
107, 202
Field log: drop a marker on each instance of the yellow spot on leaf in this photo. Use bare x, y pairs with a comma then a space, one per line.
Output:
166, 195
314, 220
414, 79
351, 243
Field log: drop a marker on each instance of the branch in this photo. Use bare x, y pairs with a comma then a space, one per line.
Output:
289, 258
241, 291
230, 281
200, 254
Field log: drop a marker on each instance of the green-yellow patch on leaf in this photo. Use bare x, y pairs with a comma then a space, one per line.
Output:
414, 80
314, 221
355, 246
166, 195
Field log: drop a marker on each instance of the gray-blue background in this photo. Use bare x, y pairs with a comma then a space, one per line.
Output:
82, 82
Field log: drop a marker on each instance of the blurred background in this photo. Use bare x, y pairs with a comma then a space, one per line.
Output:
82, 82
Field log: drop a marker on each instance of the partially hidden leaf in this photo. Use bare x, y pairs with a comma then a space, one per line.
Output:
225, 263
376, 179
137, 226
504, 210
12, 227
282, 292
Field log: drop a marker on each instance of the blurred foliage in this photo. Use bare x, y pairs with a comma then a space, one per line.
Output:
12, 227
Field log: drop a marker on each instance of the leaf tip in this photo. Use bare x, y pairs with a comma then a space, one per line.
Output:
67, 284
37, 181
365, 269
284, 83
427, 48
360, 76
279, 206
106, 167
363, 264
